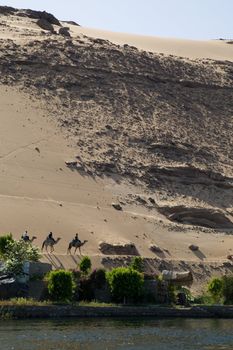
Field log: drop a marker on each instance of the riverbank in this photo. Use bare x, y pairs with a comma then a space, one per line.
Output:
66, 311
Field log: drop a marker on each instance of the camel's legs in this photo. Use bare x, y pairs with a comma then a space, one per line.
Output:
75, 250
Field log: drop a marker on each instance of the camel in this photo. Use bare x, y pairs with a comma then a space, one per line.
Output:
77, 244
28, 240
49, 242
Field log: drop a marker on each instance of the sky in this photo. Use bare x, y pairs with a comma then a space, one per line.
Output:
190, 19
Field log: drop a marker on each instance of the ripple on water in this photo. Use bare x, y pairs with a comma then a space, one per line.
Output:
175, 334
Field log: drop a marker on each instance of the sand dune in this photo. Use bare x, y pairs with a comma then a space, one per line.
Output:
150, 132
39, 193
193, 49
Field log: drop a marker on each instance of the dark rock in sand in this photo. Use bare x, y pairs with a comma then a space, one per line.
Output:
141, 200
45, 25
42, 15
6, 10
118, 248
155, 249
64, 31
116, 206
72, 23
71, 163
151, 200
193, 247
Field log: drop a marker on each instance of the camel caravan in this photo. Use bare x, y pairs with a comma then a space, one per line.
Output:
50, 242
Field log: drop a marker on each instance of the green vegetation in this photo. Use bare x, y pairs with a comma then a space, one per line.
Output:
15, 253
61, 286
4, 241
219, 291
137, 263
126, 284
23, 302
96, 304
214, 288
85, 265
204, 299
88, 284
85, 289
227, 289
98, 278
121, 285
187, 294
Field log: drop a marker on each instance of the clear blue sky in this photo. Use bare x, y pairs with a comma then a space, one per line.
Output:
194, 19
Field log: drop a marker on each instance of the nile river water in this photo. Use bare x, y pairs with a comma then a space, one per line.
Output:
166, 334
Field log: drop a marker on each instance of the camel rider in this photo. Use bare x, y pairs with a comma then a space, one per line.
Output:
25, 236
76, 238
50, 236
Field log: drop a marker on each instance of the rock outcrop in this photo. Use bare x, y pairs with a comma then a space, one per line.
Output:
39, 15
155, 249
45, 25
177, 276
42, 15
118, 248
211, 218
7, 10
64, 31
189, 175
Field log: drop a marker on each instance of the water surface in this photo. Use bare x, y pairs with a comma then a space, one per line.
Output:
165, 334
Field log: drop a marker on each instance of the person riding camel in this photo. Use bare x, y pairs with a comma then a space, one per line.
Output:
76, 238
25, 236
50, 236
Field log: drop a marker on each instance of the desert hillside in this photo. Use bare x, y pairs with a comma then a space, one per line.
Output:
92, 118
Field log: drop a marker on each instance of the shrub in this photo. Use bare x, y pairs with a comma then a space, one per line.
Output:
88, 284
85, 265
32, 253
76, 274
86, 290
172, 290
227, 289
16, 253
125, 284
98, 278
137, 263
4, 241
215, 288
204, 299
187, 293
60, 285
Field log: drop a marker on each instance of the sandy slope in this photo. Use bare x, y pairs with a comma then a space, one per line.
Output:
210, 49
21, 29
35, 184
38, 192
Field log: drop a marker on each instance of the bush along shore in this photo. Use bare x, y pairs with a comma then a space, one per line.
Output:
84, 292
